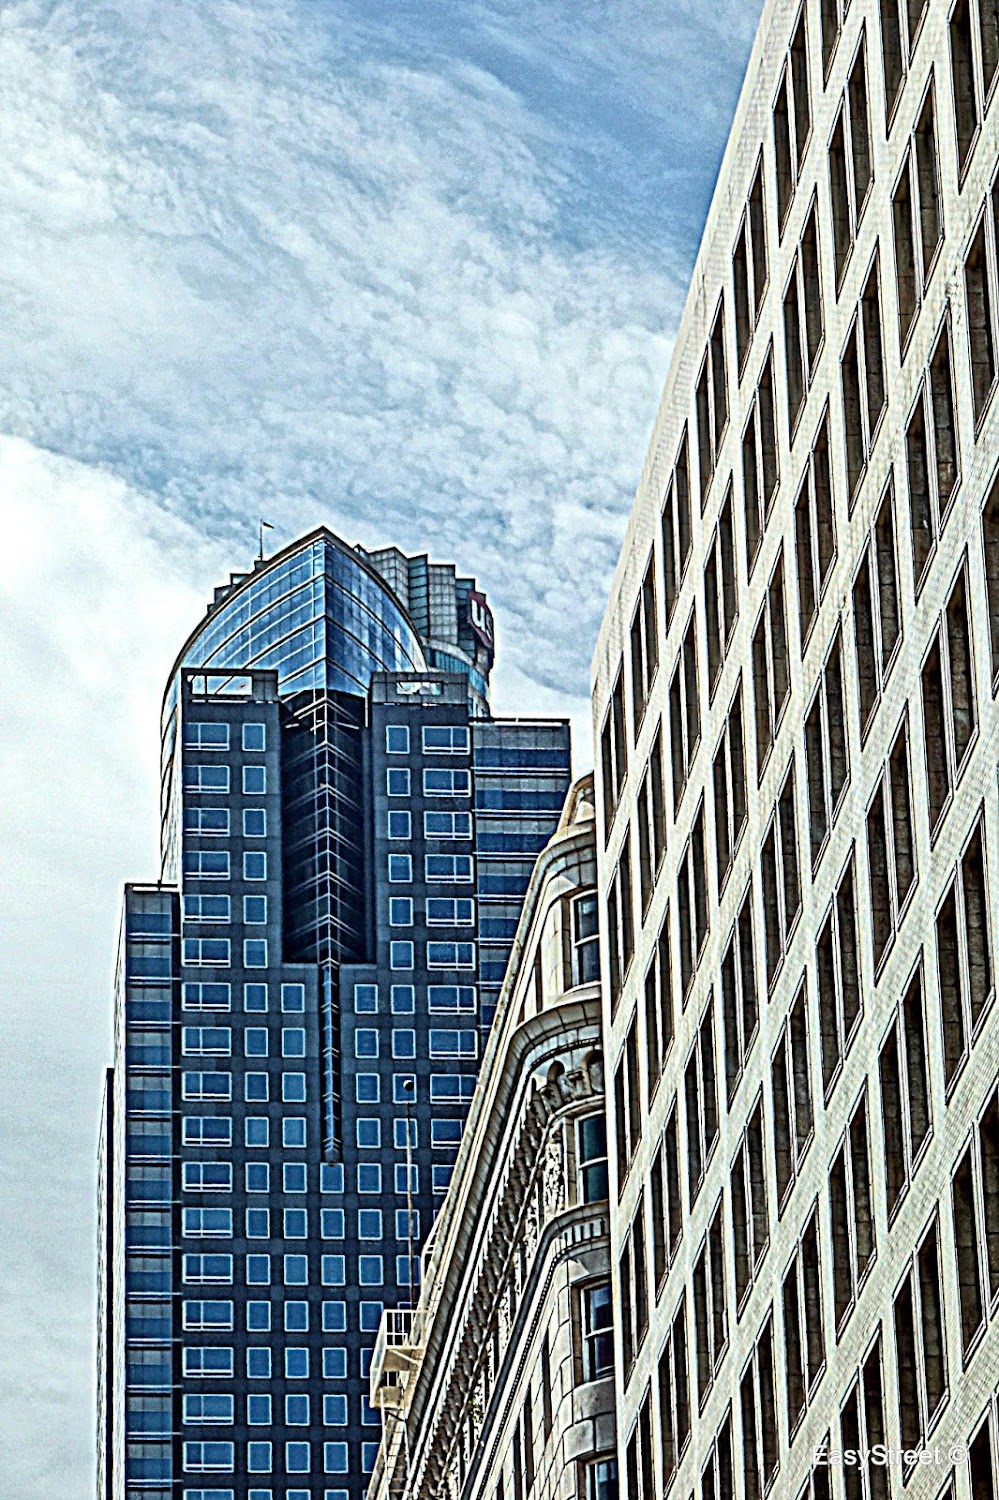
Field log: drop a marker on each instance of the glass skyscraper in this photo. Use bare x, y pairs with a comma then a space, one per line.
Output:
302, 1000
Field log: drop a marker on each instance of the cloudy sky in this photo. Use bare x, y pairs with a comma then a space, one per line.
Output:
408, 268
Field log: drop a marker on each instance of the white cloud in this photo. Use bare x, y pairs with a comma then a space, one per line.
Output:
404, 267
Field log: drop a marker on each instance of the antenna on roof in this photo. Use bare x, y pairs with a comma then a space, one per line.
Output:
264, 526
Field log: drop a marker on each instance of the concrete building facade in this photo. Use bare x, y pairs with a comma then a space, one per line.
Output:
797, 740
500, 1383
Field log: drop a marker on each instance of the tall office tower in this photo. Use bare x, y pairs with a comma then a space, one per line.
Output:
500, 1382
302, 999
794, 703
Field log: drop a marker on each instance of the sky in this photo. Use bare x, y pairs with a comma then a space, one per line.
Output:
412, 270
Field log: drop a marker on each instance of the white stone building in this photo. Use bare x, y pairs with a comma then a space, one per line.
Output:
794, 705
500, 1385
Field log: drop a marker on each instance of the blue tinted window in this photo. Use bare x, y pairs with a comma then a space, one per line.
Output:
255, 999
254, 822
367, 1088
254, 781
397, 739
254, 736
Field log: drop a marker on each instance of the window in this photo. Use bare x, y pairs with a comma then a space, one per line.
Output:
449, 911
891, 849
640, 1470
749, 268
757, 1399
445, 956
674, 1394
207, 1410
932, 456
627, 1103
684, 712
701, 1099
399, 824
207, 1316
862, 373
620, 923
206, 953
205, 1458
920, 1346
449, 867
207, 1223
750, 1216
852, 1214
401, 954
916, 219
815, 531
658, 1008
446, 783
791, 1088
254, 781
862, 1425
206, 864
692, 904
214, 1086
837, 961
207, 1177
760, 473
634, 1288
453, 1044
740, 1004
905, 1093
964, 954
792, 121
445, 739
950, 715
851, 171
827, 753
710, 1308
597, 1330
255, 953
206, 736
667, 1217
729, 778
206, 1041
979, 287
831, 15
644, 645
676, 530
584, 959
199, 779
803, 323
781, 882
771, 670
207, 822
206, 1130
803, 1339
973, 70
254, 822
613, 753
711, 402
721, 603
397, 739
876, 613
448, 999
208, 1363
397, 781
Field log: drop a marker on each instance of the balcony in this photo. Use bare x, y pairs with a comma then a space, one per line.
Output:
397, 1354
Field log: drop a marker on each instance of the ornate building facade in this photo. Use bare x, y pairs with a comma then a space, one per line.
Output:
797, 728
500, 1383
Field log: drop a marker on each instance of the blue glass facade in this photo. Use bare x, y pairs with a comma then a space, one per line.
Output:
301, 1008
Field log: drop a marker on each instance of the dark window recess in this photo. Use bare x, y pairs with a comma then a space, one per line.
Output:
651, 818
803, 319
710, 1306
684, 712
692, 904
862, 1427
711, 403
877, 620
758, 1402
851, 169
831, 14
815, 531
760, 472
658, 1007
964, 954
620, 924
729, 778
644, 645
863, 380
891, 848
717, 1475
781, 879
721, 596
676, 527
791, 1088
903, 1071
792, 121
982, 1462
932, 456
852, 1215
750, 1216
700, 1090
674, 1395
838, 966
740, 1002
804, 1342
950, 715
771, 667
750, 268
827, 751
917, 220
613, 753
627, 1103
920, 1349
979, 283
972, 69
990, 541
667, 1223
